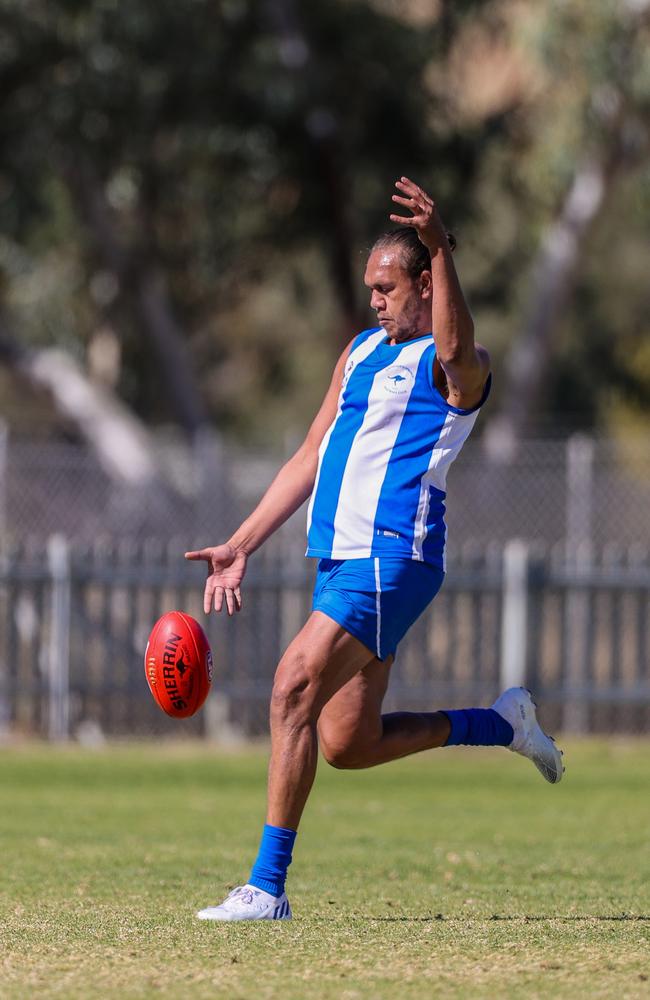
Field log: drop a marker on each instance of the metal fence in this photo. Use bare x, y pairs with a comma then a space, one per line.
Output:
552, 491
572, 624
548, 585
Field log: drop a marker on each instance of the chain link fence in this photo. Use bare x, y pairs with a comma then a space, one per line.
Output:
552, 492
548, 585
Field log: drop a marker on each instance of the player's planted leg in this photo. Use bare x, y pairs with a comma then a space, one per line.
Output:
248, 903
320, 660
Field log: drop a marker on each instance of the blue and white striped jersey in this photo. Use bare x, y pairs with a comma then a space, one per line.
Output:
382, 469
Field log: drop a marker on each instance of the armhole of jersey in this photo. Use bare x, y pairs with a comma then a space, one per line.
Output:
442, 402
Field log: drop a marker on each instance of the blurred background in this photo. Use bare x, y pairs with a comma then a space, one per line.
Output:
187, 195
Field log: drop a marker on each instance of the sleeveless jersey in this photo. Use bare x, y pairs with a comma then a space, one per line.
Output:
382, 465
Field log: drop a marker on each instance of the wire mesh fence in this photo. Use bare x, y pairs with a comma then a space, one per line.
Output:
552, 491
548, 585
74, 621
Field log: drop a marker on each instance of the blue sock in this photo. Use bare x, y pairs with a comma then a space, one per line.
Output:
270, 869
478, 727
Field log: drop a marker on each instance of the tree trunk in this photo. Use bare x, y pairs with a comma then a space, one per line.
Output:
121, 442
138, 275
554, 276
321, 127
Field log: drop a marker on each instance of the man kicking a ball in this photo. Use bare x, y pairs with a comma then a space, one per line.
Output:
401, 404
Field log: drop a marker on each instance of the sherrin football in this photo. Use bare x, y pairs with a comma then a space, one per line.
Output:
178, 664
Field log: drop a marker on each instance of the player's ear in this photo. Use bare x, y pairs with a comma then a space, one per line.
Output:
426, 284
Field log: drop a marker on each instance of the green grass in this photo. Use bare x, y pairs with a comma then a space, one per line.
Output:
455, 874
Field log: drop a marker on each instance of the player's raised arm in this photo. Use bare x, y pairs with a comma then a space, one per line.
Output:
466, 364
290, 488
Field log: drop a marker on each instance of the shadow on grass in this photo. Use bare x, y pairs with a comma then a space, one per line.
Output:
438, 917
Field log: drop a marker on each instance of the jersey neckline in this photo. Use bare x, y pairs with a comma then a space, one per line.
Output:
382, 353
404, 343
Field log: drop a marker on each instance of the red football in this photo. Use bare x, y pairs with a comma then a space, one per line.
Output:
178, 664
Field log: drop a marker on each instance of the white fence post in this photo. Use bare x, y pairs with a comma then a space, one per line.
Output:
576, 608
4, 679
58, 558
4, 441
514, 618
579, 533
579, 490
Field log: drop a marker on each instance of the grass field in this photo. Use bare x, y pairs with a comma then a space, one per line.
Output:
456, 874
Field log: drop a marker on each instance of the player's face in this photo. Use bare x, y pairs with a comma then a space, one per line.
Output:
402, 305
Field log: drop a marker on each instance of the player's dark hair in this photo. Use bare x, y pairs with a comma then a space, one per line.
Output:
414, 255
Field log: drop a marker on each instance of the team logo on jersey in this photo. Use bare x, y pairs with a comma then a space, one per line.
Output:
349, 368
398, 380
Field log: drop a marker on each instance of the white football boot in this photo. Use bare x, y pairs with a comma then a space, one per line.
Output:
247, 902
518, 708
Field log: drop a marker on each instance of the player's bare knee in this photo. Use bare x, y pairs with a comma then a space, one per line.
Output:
292, 703
344, 757
294, 694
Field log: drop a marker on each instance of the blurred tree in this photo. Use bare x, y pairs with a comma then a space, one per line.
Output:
161, 161
121, 442
184, 188
575, 80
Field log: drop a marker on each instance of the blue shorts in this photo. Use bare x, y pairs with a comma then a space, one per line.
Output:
375, 600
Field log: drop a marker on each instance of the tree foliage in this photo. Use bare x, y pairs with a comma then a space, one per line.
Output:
186, 189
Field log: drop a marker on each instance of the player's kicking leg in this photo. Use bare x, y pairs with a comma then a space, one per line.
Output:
352, 730
529, 739
354, 734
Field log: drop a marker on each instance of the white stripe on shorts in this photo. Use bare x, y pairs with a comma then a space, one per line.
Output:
378, 605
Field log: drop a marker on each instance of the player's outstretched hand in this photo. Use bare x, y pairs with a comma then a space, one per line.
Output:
226, 568
425, 219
